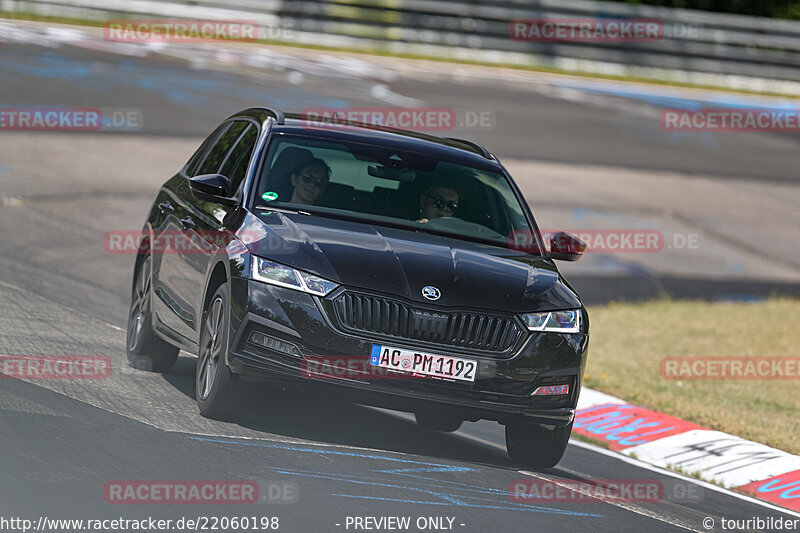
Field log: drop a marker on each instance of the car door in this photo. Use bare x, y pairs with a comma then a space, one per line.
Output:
201, 223
173, 316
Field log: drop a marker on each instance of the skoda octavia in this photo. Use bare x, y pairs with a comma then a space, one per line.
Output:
378, 266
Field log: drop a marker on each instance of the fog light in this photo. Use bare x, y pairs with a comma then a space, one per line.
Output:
551, 390
274, 344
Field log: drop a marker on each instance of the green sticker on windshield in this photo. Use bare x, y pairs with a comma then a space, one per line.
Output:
269, 196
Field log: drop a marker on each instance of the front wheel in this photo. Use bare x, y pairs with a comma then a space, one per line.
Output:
535, 445
145, 350
220, 393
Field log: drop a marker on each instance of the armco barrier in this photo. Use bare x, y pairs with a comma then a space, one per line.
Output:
699, 47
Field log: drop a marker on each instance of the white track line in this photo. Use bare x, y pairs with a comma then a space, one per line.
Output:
647, 466
670, 473
610, 501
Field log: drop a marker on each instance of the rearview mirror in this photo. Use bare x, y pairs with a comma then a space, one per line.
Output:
566, 247
212, 187
397, 174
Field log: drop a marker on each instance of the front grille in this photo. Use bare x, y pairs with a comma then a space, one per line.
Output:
472, 331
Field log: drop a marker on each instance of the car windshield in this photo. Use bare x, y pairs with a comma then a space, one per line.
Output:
386, 186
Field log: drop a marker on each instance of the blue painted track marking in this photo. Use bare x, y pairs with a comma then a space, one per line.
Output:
437, 469
678, 101
433, 484
185, 87
450, 499
470, 495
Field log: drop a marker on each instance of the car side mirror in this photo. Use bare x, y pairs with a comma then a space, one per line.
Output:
566, 247
212, 187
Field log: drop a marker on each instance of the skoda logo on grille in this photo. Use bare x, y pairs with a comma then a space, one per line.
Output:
431, 293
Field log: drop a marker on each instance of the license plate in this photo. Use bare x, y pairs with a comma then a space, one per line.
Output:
411, 361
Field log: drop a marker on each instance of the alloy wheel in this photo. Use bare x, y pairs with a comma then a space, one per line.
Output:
211, 349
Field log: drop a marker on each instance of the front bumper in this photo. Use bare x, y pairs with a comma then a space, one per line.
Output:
501, 390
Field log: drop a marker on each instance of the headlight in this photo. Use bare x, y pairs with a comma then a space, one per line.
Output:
558, 321
284, 276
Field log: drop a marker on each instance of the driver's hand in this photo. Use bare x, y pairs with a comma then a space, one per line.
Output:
423, 220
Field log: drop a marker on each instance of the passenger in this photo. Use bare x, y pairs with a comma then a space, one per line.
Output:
309, 182
437, 201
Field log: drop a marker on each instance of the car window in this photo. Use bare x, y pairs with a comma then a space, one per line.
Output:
382, 185
217, 154
235, 164
199, 155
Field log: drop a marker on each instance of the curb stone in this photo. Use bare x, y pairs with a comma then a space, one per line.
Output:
748, 467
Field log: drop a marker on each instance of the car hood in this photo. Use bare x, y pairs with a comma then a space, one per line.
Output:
401, 262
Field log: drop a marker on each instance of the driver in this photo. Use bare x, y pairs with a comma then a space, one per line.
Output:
309, 182
437, 201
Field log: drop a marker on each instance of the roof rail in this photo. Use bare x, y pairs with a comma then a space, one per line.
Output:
258, 113
277, 113
483, 151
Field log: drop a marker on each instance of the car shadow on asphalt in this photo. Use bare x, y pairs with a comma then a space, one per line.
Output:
313, 416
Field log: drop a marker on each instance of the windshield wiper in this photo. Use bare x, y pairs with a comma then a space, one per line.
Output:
282, 209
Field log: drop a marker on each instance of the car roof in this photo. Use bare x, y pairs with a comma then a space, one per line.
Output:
457, 150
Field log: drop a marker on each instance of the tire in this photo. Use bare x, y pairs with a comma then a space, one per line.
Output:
220, 393
145, 350
438, 422
536, 446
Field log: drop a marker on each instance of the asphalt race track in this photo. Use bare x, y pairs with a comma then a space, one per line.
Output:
318, 462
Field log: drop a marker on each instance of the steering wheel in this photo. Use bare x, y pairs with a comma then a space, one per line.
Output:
464, 226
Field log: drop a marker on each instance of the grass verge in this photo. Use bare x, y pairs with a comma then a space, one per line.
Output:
628, 342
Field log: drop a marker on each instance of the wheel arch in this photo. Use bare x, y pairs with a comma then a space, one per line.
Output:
219, 276
142, 252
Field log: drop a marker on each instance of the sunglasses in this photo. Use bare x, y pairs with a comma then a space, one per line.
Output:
319, 182
440, 203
